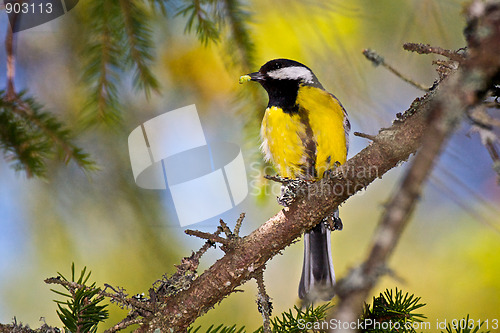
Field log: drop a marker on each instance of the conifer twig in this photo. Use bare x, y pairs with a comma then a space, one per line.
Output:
237, 18
136, 21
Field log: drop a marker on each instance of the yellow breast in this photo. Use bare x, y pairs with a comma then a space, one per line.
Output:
285, 134
281, 141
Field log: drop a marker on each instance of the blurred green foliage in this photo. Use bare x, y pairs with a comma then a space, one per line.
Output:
30, 135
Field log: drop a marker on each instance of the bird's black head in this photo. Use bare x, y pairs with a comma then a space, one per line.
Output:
282, 78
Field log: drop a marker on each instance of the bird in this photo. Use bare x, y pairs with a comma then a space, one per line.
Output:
304, 133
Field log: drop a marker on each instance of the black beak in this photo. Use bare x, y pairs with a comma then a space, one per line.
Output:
252, 77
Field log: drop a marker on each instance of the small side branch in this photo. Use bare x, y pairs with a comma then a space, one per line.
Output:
118, 296
123, 325
16, 327
206, 235
264, 304
232, 238
378, 60
239, 222
365, 136
427, 49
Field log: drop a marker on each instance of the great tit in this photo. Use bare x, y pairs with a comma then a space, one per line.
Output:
304, 133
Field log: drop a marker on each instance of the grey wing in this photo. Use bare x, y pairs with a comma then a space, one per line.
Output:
347, 128
347, 123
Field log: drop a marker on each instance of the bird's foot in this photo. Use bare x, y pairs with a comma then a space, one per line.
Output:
290, 191
332, 171
333, 223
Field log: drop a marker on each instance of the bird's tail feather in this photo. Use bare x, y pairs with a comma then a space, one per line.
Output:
318, 276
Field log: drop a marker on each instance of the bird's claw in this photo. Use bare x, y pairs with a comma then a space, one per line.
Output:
333, 223
290, 191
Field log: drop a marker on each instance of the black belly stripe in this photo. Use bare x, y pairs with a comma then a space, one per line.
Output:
310, 148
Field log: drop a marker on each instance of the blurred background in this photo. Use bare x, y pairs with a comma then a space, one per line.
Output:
130, 237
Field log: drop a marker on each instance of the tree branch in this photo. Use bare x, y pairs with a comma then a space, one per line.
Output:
440, 110
458, 94
11, 59
391, 146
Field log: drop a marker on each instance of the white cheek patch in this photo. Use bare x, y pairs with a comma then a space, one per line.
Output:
292, 73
